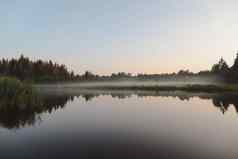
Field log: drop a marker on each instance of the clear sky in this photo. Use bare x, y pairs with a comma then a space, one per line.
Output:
105, 36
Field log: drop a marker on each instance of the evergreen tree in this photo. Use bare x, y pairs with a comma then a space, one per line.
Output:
235, 65
221, 67
39, 71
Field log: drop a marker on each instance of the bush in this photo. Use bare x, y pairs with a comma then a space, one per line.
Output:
14, 93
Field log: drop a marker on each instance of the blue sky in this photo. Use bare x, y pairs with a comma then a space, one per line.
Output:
105, 36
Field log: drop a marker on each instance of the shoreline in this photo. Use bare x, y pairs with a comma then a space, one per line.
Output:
157, 88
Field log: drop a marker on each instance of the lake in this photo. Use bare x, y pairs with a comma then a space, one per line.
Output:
118, 124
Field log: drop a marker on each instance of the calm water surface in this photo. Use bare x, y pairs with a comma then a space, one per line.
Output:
123, 125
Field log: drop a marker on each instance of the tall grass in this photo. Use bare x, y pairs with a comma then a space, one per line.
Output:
14, 93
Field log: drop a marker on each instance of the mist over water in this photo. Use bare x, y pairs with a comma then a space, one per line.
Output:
129, 83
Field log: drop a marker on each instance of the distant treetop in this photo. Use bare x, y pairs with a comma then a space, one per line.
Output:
47, 71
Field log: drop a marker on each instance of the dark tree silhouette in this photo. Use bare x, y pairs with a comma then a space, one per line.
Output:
38, 71
221, 67
235, 65
47, 71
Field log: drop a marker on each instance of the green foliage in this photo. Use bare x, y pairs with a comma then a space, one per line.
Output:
14, 93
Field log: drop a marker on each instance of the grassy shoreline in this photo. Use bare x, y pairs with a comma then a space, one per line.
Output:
187, 88
14, 93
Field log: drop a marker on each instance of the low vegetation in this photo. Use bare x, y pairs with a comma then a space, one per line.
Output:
187, 88
14, 93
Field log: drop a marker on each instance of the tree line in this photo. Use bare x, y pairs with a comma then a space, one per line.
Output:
25, 69
228, 74
38, 71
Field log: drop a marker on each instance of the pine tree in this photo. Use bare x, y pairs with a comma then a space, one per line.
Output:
235, 65
221, 67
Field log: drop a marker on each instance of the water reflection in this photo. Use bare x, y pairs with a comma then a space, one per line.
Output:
15, 116
220, 100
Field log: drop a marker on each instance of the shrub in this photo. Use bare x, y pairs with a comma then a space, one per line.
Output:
14, 93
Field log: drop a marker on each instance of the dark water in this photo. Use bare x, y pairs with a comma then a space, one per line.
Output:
123, 125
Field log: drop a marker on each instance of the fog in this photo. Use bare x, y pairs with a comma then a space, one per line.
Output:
131, 83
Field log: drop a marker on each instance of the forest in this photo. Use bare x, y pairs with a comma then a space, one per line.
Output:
39, 71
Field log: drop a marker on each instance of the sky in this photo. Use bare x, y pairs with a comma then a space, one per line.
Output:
137, 36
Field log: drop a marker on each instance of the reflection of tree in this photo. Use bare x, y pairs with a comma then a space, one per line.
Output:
183, 98
52, 103
224, 101
89, 97
121, 95
14, 116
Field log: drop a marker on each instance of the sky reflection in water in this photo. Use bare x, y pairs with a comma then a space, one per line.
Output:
124, 125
